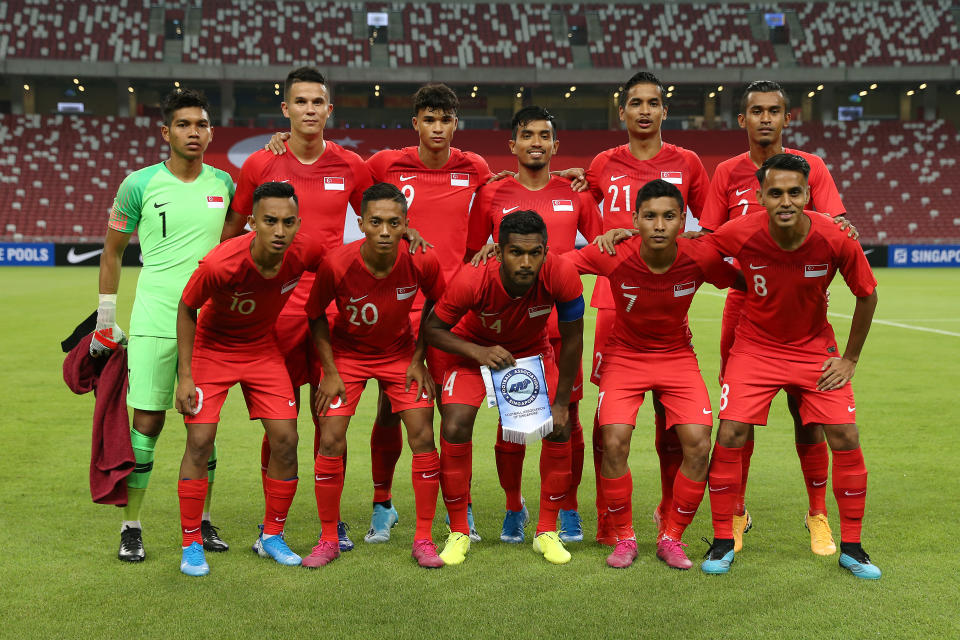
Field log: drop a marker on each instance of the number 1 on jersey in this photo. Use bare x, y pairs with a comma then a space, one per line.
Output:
163, 223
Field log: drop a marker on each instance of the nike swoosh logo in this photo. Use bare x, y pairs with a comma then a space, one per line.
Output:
851, 409
405, 178
757, 267
628, 286
719, 488
615, 178
867, 252
292, 403
615, 510
358, 299
322, 478
379, 484
488, 314
245, 293
855, 493
576, 387
818, 484
555, 498
191, 530
505, 210
427, 476
289, 285
279, 519
684, 511
455, 499
73, 257
740, 192
162, 204
706, 412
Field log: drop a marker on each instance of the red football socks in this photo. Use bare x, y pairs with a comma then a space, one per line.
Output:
554, 482
618, 494
725, 469
687, 496
279, 496
850, 490
328, 486
456, 464
597, 438
192, 493
670, 452
426, 486
386, 444
509, 457
576, 457
815, 462
740, 505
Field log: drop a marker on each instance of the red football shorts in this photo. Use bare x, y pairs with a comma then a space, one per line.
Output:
674, 376
390, 372
262, 377
732, 310
463, 384
603, 329
576, 394
750, 382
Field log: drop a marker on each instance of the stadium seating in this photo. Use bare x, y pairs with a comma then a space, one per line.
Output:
896, 179
856, 34
93, 32
58, 174
678, 35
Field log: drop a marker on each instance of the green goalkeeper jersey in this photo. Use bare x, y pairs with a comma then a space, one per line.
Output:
178, 223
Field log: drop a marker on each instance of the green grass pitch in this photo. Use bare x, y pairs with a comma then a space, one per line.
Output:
60, 576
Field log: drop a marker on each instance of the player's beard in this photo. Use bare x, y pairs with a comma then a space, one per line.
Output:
535, 165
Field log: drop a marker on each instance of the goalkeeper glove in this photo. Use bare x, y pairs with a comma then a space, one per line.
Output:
108, 336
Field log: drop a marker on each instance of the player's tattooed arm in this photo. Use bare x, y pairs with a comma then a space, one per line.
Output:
576, 176
275, 144
331, 385
416, 241
232, 225
568, 361
437, 334
487, 252
186, 396
838, 371
608, 241
417, 372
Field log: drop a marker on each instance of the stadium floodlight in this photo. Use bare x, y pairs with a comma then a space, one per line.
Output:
670, 88
376, 87
26, 87
669, 94
713, 94
923, 86
80, 88
819, 87
573, 88
129, 89
911, 92
811, 94
76, 81
957, 93
720, 88
176, 84
873, 86
863, 93
566, 95
519, 94
475, 87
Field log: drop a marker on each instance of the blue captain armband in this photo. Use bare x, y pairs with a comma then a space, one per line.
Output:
570, 311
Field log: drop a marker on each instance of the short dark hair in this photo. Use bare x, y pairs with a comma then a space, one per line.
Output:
530, 114
274, 190
383, 191
521, 223
182, 99
784, 162
435, 95
659, 189
641, 77
763, 86
302, 74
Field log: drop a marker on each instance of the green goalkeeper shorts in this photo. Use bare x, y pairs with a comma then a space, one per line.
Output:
152, 372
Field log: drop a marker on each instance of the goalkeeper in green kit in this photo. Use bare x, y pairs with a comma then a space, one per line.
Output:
180, 210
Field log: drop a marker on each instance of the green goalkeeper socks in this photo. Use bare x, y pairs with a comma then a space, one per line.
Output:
137, 481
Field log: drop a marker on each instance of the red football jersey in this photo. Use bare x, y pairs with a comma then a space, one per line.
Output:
652, 307
238, 306
482, 312
374, 313
564, 211
616, 176
438, 200
785, 312
733, 190
324, 189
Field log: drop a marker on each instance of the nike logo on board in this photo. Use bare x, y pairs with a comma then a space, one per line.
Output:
73, 257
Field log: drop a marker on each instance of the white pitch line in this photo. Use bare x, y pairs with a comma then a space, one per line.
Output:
900, 325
